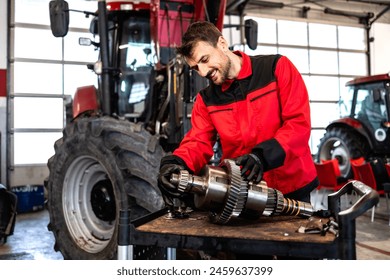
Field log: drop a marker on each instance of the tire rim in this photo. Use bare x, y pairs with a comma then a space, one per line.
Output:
82, 179
333, 148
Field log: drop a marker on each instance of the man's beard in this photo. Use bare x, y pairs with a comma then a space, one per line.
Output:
224, 72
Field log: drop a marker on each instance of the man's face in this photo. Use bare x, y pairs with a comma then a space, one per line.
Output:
210, 62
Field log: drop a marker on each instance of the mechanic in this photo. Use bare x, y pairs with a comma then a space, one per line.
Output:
259, 107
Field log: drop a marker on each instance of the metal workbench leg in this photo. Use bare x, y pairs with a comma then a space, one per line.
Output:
125, 250
171, 253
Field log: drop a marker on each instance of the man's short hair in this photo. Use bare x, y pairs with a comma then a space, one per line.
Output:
198, 31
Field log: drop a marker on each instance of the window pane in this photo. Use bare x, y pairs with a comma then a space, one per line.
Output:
345, 103
76, 76
74, 52
297, 56
42, 143
323, 62
30, 112
79, 19
37, 43
351, 38
345, 100
371, 107
232, 35
266, 30
37, 11
323, 88
323, 113
292, 33
353, 64
261, 50
316, 135
32, 11
322, 35
41, 78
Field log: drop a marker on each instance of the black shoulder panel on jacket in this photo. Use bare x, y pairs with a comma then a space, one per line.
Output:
263, 73
263, 70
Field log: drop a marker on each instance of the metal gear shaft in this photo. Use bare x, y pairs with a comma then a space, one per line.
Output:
222, 191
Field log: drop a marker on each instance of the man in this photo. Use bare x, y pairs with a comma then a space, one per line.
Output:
258, 106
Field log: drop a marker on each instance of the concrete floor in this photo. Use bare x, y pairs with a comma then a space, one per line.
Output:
32, 241
373, 238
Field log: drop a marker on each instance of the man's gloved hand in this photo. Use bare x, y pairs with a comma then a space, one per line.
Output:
172, 165
164, 176
252, 167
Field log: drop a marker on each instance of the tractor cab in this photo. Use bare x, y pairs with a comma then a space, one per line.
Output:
364, 127
367, 101
130, 62
133, 59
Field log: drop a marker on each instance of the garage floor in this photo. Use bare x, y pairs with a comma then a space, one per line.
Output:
32, 241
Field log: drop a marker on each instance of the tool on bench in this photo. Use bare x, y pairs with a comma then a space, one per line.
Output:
322, 226
222, 191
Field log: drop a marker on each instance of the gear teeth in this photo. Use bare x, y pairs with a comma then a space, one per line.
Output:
275, 203
271, 202
236, 196
184, 178
243, 195
279, 203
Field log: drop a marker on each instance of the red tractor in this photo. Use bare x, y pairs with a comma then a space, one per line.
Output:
364, 131
108, 158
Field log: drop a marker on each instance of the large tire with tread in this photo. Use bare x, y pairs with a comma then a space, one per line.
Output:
342, 144
101, 165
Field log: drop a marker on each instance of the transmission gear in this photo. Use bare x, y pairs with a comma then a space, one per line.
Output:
222, 191
236, 195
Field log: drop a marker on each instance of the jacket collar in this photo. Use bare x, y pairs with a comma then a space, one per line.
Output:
246, 70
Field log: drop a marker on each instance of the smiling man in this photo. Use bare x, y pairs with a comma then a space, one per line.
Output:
259, 107
214, 63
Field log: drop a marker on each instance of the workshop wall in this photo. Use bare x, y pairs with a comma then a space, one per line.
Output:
380, 53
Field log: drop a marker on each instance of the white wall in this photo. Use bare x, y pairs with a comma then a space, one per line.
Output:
3, 103
3, 34
380, 48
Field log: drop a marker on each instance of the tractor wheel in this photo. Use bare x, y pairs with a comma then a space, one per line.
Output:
342, 144
101, 166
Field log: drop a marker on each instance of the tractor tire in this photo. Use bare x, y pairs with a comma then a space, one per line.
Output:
342, 144
101, 165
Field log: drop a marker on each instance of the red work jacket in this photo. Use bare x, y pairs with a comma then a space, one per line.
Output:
267, 108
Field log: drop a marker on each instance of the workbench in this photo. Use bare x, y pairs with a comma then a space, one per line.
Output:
265, 236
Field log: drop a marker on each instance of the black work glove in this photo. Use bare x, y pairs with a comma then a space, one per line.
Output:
172, 165
252, 167
164, 176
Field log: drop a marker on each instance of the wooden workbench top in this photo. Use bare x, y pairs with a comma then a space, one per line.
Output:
276, 228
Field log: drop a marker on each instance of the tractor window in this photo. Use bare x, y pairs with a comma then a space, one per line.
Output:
370, 107
136, 64
345, 102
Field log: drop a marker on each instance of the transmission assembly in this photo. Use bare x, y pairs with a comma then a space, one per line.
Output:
222, 191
